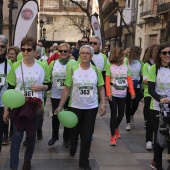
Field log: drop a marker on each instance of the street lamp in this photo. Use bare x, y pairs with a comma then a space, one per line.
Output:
41, 26
12, 6
44, 33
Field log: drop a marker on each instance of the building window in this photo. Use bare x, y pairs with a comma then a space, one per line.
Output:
69, 4
152, 39
50, 19
51, 4
128, 5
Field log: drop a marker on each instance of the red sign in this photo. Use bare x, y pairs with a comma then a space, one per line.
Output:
27, 14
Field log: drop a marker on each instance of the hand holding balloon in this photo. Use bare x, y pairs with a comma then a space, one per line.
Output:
57, 111
68, 119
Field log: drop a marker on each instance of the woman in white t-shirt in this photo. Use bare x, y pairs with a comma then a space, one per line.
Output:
84, 82
57, 69
30, 77
159, 89
135, 67
118, 77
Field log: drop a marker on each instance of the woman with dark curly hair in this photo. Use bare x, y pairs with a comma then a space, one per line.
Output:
159, 89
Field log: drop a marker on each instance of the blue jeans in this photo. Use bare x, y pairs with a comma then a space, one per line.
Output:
15, 147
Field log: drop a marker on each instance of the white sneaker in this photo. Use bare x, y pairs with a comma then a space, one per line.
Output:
131, 120
149, 145
128, 127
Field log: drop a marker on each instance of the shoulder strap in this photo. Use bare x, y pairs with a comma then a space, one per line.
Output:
156, 70
96, 71
23, 83
5, 67
93, 62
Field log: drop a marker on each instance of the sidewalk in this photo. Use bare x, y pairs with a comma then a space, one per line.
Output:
129, 154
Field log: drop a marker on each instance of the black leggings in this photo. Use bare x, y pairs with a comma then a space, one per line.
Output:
157, 149
117, 107
3, 126
149, 127
55, 121
132, 104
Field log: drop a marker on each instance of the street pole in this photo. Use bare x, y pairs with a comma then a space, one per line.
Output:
10, 22
121, 28
41, 34
1, 15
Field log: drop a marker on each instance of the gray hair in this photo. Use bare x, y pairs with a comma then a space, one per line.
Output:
3, 39
94, 36
87, 46
38, 49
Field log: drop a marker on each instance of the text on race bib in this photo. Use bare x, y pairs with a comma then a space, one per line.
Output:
86, 91
121, 83
30, 93
60, 84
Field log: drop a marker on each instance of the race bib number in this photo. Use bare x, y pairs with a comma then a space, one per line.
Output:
121, 83
2, 81
30, 93
86, 91
60, 84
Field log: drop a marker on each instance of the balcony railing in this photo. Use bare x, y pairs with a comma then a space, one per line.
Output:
146, 13
163, 8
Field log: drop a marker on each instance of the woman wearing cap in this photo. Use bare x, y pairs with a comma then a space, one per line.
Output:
84, 83
5, 66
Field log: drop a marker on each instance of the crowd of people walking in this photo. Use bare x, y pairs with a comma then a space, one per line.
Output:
121, 77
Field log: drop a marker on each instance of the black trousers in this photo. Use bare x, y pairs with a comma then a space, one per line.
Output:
56, 122
149, 127
157, 149
117, 107
85, 127
132, 104
1, 126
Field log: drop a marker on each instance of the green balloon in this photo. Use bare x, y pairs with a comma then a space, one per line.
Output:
13, 98
68, 119
70, 64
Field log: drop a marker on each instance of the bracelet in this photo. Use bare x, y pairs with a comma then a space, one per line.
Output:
103, 104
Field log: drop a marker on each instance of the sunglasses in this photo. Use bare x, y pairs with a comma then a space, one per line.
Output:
84, 42
2, 46
26, 49
165, 52
61, 51
95, 43
72, 47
